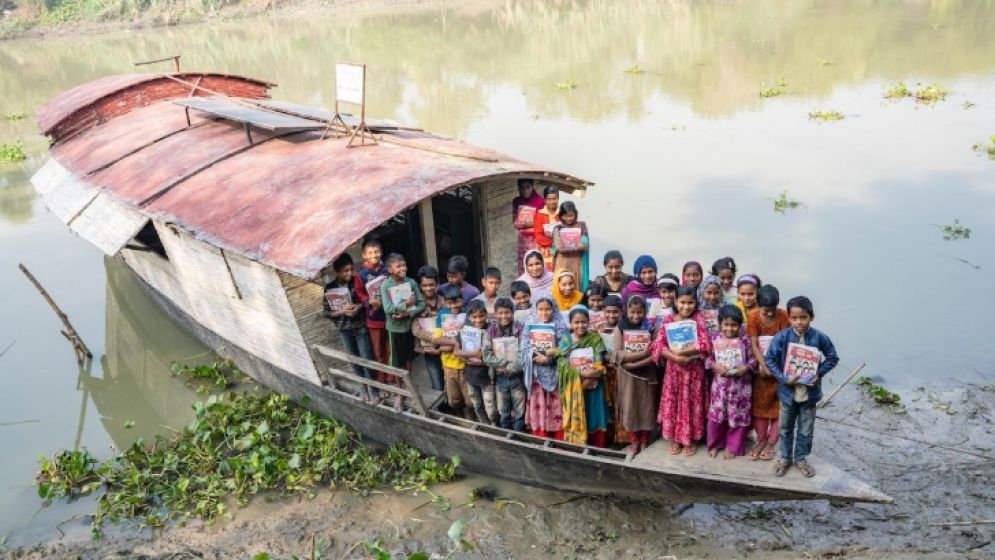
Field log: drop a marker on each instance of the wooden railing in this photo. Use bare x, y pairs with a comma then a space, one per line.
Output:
321, 355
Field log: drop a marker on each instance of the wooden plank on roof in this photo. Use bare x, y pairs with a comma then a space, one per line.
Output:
266, 120
108, 224
64, 194
326, 116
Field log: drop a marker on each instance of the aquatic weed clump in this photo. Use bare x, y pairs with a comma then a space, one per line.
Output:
236, 447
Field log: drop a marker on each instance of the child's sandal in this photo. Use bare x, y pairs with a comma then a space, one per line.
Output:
769, 453
781, 467
806, 469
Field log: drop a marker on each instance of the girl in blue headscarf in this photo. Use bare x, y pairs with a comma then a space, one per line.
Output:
643, 280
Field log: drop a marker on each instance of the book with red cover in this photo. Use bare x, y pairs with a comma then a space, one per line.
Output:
582, 358
802, 361
636, 341
711, 318
570, 238
451, 324
542, 337
728, 351
338, 298
525, 217
598, 321
764, 343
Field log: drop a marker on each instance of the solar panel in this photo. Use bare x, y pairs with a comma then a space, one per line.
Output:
324, 115
266, 120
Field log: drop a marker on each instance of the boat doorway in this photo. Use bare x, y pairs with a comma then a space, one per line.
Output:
402, 234
456, 231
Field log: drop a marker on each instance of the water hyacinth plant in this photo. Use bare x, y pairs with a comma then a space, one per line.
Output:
13, 152
826, 116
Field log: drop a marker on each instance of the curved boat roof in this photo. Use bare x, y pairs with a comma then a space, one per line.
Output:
122, 146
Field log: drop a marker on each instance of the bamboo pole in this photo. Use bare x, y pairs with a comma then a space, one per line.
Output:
79, 347
826, 400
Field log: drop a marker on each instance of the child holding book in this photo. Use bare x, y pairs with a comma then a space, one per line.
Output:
683, 342
725, 270
456, 276
709, 302
580, 368
523, 211
666, 293
614, 280
733, 363
373, 268
471, 345
502, 356
746, 290
570, 244
643, 281
764, 322
349, 319
402, 300
545, 219
798, 399
457, 392
544, 411
423, 327
692, 273
536, 276
638, 376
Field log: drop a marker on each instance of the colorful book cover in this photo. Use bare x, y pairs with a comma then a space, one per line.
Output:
682, 335
506, 348
728, 351
570, 238
525, 217
542, 337
598, 321
471, 339
802, 361
711, 318
636, 341
451, 324
338, 298
764, 343
400, 293
373, 286
582, 358
657, 311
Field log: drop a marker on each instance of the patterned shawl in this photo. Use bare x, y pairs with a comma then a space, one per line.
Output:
710, 279
541, 286
544, 374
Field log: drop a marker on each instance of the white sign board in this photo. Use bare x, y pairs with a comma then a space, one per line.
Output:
350, 83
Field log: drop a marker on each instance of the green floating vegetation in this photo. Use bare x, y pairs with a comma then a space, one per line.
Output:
220, 373
989, 148
928, 94
773, 91
237, 446
882, 395
13, 152
15, 116
783, 203
826, 115
634, 69
566, 85
968, 104
955, 231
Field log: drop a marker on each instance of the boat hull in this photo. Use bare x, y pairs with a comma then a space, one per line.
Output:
489, 453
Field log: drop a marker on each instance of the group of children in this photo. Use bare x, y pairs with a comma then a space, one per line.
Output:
606, 361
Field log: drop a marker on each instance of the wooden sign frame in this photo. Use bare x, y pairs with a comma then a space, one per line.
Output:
353, 94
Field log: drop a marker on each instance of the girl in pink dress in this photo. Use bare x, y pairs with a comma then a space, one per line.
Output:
683, 398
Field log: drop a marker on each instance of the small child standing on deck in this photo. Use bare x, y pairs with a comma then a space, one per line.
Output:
402, 300
762, 324
477, 375
423, 327
798, 400
503, 357
349, 319
373, 268
729, 406
445, 335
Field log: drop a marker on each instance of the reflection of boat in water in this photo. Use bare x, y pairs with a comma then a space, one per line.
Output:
141, 342
228, 220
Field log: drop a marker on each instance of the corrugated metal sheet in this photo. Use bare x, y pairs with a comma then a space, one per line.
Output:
292, 202
108, 223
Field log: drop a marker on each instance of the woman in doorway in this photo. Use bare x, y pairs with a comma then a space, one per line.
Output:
546, 218
523, 211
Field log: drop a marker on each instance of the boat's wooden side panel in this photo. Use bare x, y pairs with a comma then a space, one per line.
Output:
500, 239
241, 300
305, 299
108, 224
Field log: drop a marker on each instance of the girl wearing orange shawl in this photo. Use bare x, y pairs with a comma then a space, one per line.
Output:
565, 292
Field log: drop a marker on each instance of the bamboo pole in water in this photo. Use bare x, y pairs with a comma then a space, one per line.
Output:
79, 347
826, 400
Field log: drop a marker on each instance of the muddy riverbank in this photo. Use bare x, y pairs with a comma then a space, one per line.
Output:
950, 479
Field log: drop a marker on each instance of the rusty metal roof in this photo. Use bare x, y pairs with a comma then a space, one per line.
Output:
290, 201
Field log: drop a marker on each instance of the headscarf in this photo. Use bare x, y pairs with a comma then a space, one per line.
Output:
710, 279
643, 261
544, 374
563, 301
623, 320
635, 286
541, 286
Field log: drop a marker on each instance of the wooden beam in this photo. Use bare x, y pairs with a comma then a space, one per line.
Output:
428, 233
368, 364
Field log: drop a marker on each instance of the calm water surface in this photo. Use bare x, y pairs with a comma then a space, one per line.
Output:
686, 157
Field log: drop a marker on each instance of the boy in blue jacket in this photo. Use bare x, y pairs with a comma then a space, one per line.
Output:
798, 400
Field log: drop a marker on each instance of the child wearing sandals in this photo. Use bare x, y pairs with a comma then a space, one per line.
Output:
798, 401
729, 405
763, 323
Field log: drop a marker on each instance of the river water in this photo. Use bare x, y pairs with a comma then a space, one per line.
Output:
687, 157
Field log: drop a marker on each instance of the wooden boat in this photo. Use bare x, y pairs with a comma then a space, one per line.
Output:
228, 207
